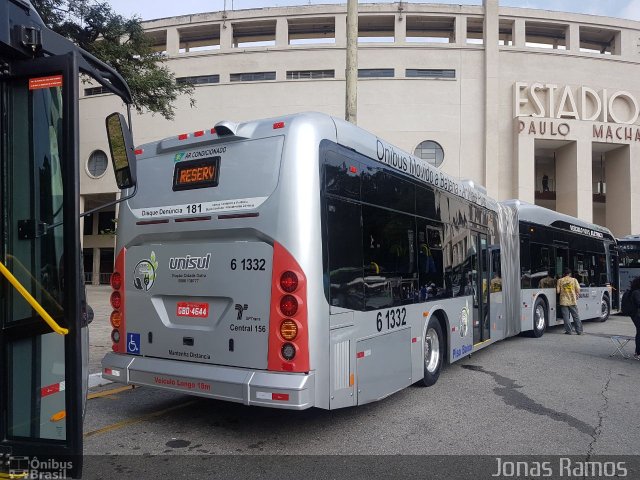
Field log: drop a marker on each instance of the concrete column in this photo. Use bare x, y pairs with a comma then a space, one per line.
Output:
622, 206
573, 38
574, 191
341, 30
282, 32
526, 166
492, 97
519, 33
617, 44
173, 41
226, 36
95, 277
461, 30
400, 29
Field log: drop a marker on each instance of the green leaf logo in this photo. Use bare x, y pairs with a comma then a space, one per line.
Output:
154, 263
178, 157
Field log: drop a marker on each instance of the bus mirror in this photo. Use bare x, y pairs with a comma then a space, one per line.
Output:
121, 146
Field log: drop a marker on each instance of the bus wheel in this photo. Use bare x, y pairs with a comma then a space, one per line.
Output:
539, 318
606, 310
433, 352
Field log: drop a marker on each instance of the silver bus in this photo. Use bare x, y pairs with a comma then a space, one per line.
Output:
629, 248
302, 261
549, 242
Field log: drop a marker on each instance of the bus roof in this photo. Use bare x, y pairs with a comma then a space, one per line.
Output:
346, 134
543, 216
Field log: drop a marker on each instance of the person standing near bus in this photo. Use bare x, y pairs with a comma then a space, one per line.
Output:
569, 290
635, 297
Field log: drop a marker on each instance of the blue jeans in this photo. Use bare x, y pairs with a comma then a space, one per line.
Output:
573, 309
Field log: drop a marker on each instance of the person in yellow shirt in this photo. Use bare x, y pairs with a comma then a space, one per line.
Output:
496, 283
569, 290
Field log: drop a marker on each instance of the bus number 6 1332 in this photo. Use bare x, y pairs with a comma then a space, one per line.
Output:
395, 318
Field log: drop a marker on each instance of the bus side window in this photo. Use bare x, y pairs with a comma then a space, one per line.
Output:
430, 262
389, 258
345, 276
496, 272
525, 262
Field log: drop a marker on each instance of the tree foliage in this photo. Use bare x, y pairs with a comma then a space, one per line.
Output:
120, 42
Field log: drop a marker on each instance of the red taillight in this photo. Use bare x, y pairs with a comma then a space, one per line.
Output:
289, 282
183, 136
289, 305
116, 280
138, 151
278, 125
288, 324
116, 300
117, 318
199, 133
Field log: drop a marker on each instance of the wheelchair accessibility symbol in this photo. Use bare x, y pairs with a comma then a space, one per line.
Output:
133, 343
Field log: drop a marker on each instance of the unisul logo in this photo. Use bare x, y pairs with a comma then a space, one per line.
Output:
464, 319
190, 263
144, 275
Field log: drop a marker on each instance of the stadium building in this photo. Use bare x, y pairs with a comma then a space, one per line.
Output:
537, 105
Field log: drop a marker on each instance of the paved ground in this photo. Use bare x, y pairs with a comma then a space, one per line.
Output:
100, 329
559, 395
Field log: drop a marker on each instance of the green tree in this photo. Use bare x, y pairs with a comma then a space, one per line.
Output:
121, 42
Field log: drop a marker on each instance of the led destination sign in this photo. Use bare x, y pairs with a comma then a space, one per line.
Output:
201, 173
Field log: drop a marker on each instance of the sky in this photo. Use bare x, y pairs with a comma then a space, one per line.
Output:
149, 9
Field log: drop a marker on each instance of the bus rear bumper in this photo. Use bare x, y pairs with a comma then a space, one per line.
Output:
294, 391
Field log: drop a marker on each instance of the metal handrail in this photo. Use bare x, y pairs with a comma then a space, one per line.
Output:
32, 301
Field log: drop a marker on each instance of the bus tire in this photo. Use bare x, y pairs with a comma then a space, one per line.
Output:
539, 318
433, 352
605, 309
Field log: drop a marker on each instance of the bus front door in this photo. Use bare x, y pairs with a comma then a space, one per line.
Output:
480, 281
41, 339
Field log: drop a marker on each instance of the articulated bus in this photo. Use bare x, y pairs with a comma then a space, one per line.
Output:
629, 248
302, 261
550, 242
43, 313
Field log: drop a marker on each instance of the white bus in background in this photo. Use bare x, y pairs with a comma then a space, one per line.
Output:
302, 261
629, 248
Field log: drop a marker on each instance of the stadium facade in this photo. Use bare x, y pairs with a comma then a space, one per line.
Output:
537, 105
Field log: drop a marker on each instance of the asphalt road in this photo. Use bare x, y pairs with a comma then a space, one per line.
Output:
557, 395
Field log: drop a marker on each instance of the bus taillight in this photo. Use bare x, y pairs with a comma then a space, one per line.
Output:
117, 302
289, 282
116, 280
288, 327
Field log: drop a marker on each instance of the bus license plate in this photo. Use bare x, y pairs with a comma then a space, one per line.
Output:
193, 310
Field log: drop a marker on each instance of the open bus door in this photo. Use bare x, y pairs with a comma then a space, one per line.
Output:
43, 314
41, 391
